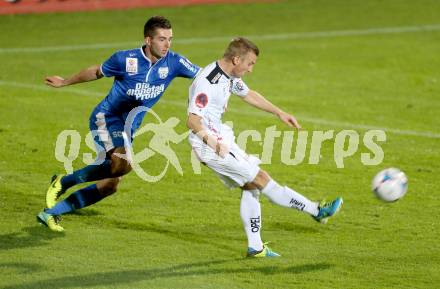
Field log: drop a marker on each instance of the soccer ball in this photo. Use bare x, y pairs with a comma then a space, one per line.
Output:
390, 184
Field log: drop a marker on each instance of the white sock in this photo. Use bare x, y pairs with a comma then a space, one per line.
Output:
287, 197
250, 212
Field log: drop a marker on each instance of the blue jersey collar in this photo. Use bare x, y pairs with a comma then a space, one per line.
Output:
148, 59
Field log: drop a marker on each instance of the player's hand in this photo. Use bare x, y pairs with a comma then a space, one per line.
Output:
222, 149
290, 120
55, 81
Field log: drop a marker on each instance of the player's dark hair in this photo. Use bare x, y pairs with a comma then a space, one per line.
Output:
154, 23
240, 46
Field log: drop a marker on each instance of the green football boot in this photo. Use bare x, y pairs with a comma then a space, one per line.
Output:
266, 252
49, 221
54, 191
327, 210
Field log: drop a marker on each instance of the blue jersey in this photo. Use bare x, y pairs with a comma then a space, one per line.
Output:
138, 82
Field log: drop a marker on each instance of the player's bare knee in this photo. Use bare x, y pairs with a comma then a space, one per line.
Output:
120, 169
261, 179
108, 187
107, 191
249, 187
119, 166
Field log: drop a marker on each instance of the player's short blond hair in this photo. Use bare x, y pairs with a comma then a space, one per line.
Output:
240, 46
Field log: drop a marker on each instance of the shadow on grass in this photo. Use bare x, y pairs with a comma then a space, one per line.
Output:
89, 212
33, 236
22, 268
179, 233
183, 270
290, 226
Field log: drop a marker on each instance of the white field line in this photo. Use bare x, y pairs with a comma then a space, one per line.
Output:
319, 121
280, 36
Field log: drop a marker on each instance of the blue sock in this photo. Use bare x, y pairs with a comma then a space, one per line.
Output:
79, 199
89, 173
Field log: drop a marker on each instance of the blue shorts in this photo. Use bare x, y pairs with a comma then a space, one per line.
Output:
108, 128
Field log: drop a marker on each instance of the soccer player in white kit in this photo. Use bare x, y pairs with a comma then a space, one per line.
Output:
213, 142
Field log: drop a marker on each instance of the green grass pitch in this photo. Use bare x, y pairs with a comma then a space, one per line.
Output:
185, 231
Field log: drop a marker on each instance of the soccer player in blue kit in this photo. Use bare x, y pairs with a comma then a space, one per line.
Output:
141, 76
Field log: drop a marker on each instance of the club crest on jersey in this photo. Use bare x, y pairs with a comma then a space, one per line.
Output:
239, 86
163, 72
131, 65
201, 100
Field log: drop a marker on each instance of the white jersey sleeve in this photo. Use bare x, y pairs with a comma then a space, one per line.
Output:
239, 88
199, 98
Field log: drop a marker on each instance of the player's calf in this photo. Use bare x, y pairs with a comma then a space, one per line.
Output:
286, 197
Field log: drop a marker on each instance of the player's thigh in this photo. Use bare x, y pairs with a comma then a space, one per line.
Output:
233, 169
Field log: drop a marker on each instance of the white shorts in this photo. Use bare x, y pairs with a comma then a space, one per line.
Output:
235, 170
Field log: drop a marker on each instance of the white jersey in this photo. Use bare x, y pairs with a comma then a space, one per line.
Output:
209, 95
208, 98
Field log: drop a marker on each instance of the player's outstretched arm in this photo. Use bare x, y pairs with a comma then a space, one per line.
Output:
88, 74
255, 99
194, 123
